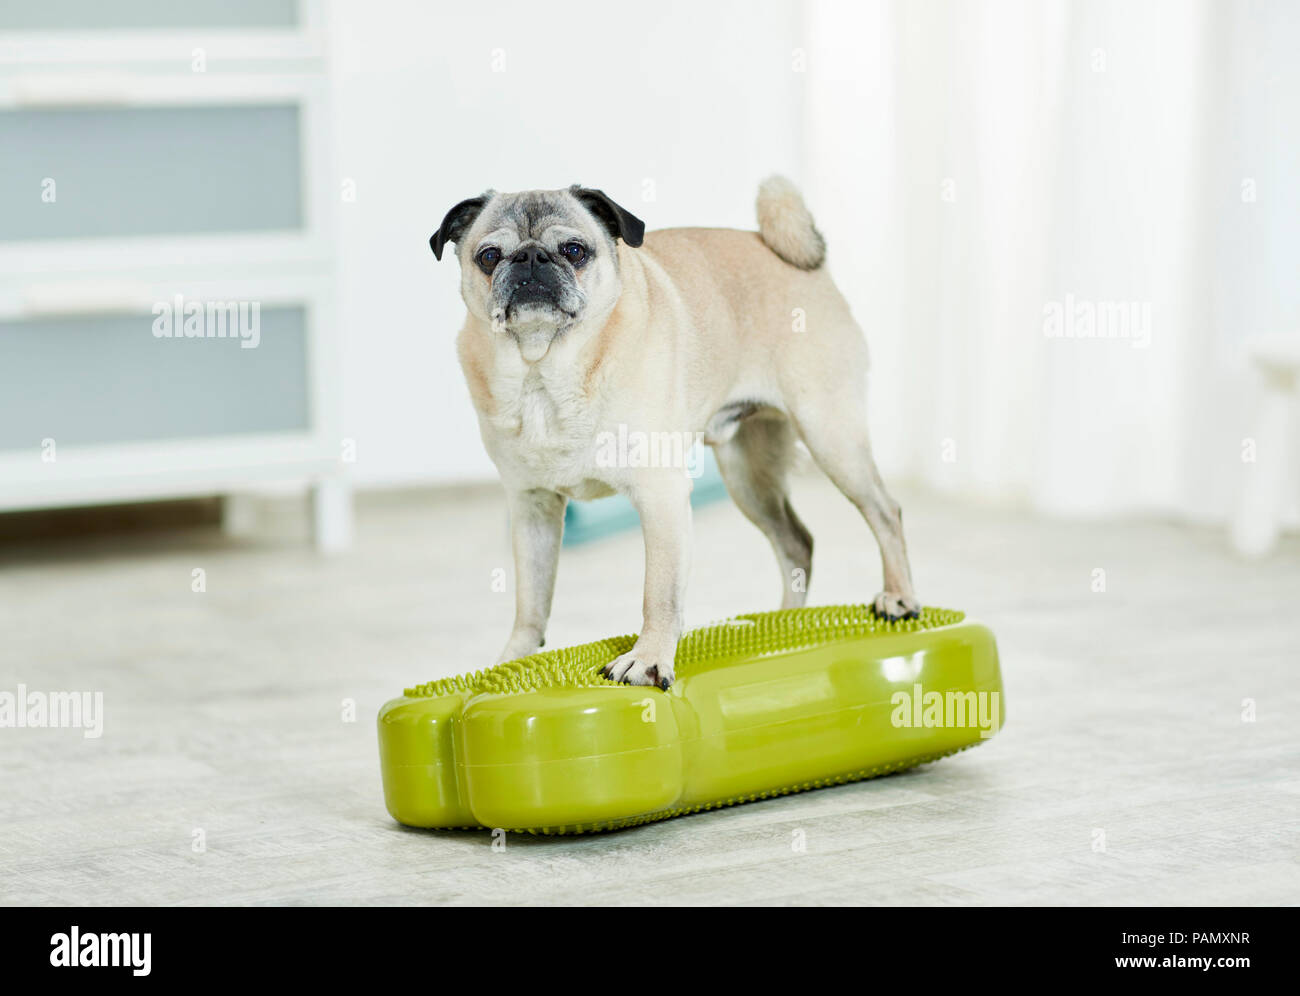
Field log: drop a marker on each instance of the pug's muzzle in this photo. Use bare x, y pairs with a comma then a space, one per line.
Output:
530, 279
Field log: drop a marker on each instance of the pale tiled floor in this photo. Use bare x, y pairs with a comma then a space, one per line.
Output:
225, 715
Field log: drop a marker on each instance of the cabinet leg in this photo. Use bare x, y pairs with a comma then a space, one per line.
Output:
239, 515
332, 515
1257, 520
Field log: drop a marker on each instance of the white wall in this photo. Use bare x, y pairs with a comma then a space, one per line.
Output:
677, 110
997, 156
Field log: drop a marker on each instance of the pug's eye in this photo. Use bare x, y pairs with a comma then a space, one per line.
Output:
574, 252
488, 259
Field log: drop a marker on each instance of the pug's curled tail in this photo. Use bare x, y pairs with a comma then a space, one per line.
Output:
787, 226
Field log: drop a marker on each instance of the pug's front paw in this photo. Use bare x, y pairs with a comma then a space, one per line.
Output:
642, 667
893, 606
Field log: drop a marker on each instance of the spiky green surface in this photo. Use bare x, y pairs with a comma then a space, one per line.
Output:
748, 635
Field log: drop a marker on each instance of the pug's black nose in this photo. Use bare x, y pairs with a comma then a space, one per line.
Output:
532, 255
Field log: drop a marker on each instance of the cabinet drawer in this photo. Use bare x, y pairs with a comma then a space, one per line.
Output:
100, 379
130, 15
73, 173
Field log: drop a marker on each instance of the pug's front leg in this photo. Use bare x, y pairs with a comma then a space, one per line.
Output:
665, 510
536, 527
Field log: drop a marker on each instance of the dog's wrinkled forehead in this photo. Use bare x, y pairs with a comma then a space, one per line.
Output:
583, 211
535, 214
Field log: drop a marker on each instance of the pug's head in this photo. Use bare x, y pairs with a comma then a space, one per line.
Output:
538, 263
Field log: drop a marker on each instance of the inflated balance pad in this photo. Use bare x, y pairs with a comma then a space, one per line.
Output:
763, 705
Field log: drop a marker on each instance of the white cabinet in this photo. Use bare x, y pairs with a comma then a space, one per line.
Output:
166, 255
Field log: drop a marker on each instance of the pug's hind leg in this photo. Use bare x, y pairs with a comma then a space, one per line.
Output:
836, 434
754, 464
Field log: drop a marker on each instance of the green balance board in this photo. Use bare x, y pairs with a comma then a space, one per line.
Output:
763, 704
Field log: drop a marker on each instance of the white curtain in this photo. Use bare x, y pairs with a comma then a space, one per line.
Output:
989, 174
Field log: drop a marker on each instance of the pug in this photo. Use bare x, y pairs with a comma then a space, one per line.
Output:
582, 328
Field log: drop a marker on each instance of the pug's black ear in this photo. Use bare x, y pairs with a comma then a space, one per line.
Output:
457, 222
621, 223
